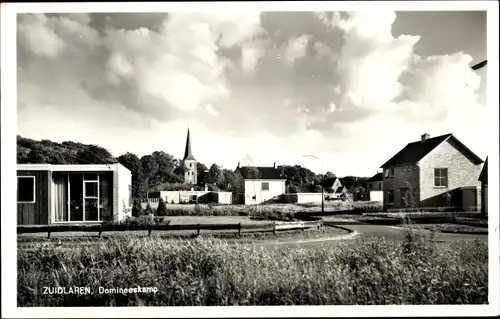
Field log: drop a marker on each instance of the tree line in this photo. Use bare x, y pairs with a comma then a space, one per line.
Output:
160, 171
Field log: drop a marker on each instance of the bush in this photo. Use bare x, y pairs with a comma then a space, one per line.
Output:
149, 210
142, 221
137, 209
162, 208
208, 272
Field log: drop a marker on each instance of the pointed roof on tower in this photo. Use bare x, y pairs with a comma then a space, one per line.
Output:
187, 153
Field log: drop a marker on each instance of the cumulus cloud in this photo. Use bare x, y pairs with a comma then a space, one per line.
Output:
296, 48
372, 60
385, 88
178, 65
348, 90
36, 27
323, 51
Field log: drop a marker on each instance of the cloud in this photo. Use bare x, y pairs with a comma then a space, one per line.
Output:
250, 55
338, 85
36, 27
177, 68
387, 95
371, 60
296, 48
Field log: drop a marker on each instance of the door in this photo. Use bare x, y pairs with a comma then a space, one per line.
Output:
469, 199
75, 190
405, 197
83, 194
91, 196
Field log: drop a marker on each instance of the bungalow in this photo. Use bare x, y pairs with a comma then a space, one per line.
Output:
483, 178
260, 184
50, 194
374, 187
433, 173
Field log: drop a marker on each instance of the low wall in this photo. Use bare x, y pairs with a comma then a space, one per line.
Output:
376, 196
177, 197
301, 198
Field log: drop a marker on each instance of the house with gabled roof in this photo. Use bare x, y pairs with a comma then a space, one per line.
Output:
259, 184
483, 178
374, 187
439, 173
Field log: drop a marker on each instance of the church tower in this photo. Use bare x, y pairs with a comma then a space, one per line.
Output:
190, 171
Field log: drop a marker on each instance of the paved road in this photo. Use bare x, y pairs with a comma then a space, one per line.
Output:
360, 231
390, 233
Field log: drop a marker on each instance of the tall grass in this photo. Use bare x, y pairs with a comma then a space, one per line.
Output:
213, 272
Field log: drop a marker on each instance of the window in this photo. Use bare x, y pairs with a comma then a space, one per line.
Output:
265, 186
389, 172
90, 177
441, 177
370, 186
26, 189
390, 196
91, 189
190, 164
380, 186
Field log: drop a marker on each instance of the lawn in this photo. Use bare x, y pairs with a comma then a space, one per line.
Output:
75, 238
210, 272
454, 228
269, 211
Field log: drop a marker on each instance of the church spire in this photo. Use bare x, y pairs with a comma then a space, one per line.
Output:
187, 153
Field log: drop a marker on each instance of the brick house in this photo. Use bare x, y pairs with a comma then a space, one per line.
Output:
483, 178
438, 173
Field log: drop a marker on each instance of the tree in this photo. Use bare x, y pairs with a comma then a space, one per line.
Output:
179, 170
201, 170
166, 166
230, 179
137, 209
298, 175
140, 184
149, 169
214, 175
329, 175
162, 208
130, 161
96, 155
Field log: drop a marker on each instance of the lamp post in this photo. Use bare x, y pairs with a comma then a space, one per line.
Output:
322, 181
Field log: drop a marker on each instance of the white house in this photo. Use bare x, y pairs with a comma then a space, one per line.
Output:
260, 184
375, 188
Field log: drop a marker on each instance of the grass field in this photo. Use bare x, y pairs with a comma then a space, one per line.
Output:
207, 271
454, 228
267, 211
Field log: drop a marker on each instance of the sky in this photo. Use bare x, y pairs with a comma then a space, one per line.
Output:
257, 87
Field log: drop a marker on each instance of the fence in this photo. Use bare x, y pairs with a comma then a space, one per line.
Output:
240, 228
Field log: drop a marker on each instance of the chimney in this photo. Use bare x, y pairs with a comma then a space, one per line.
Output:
274, 165
425, 137
238, 165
